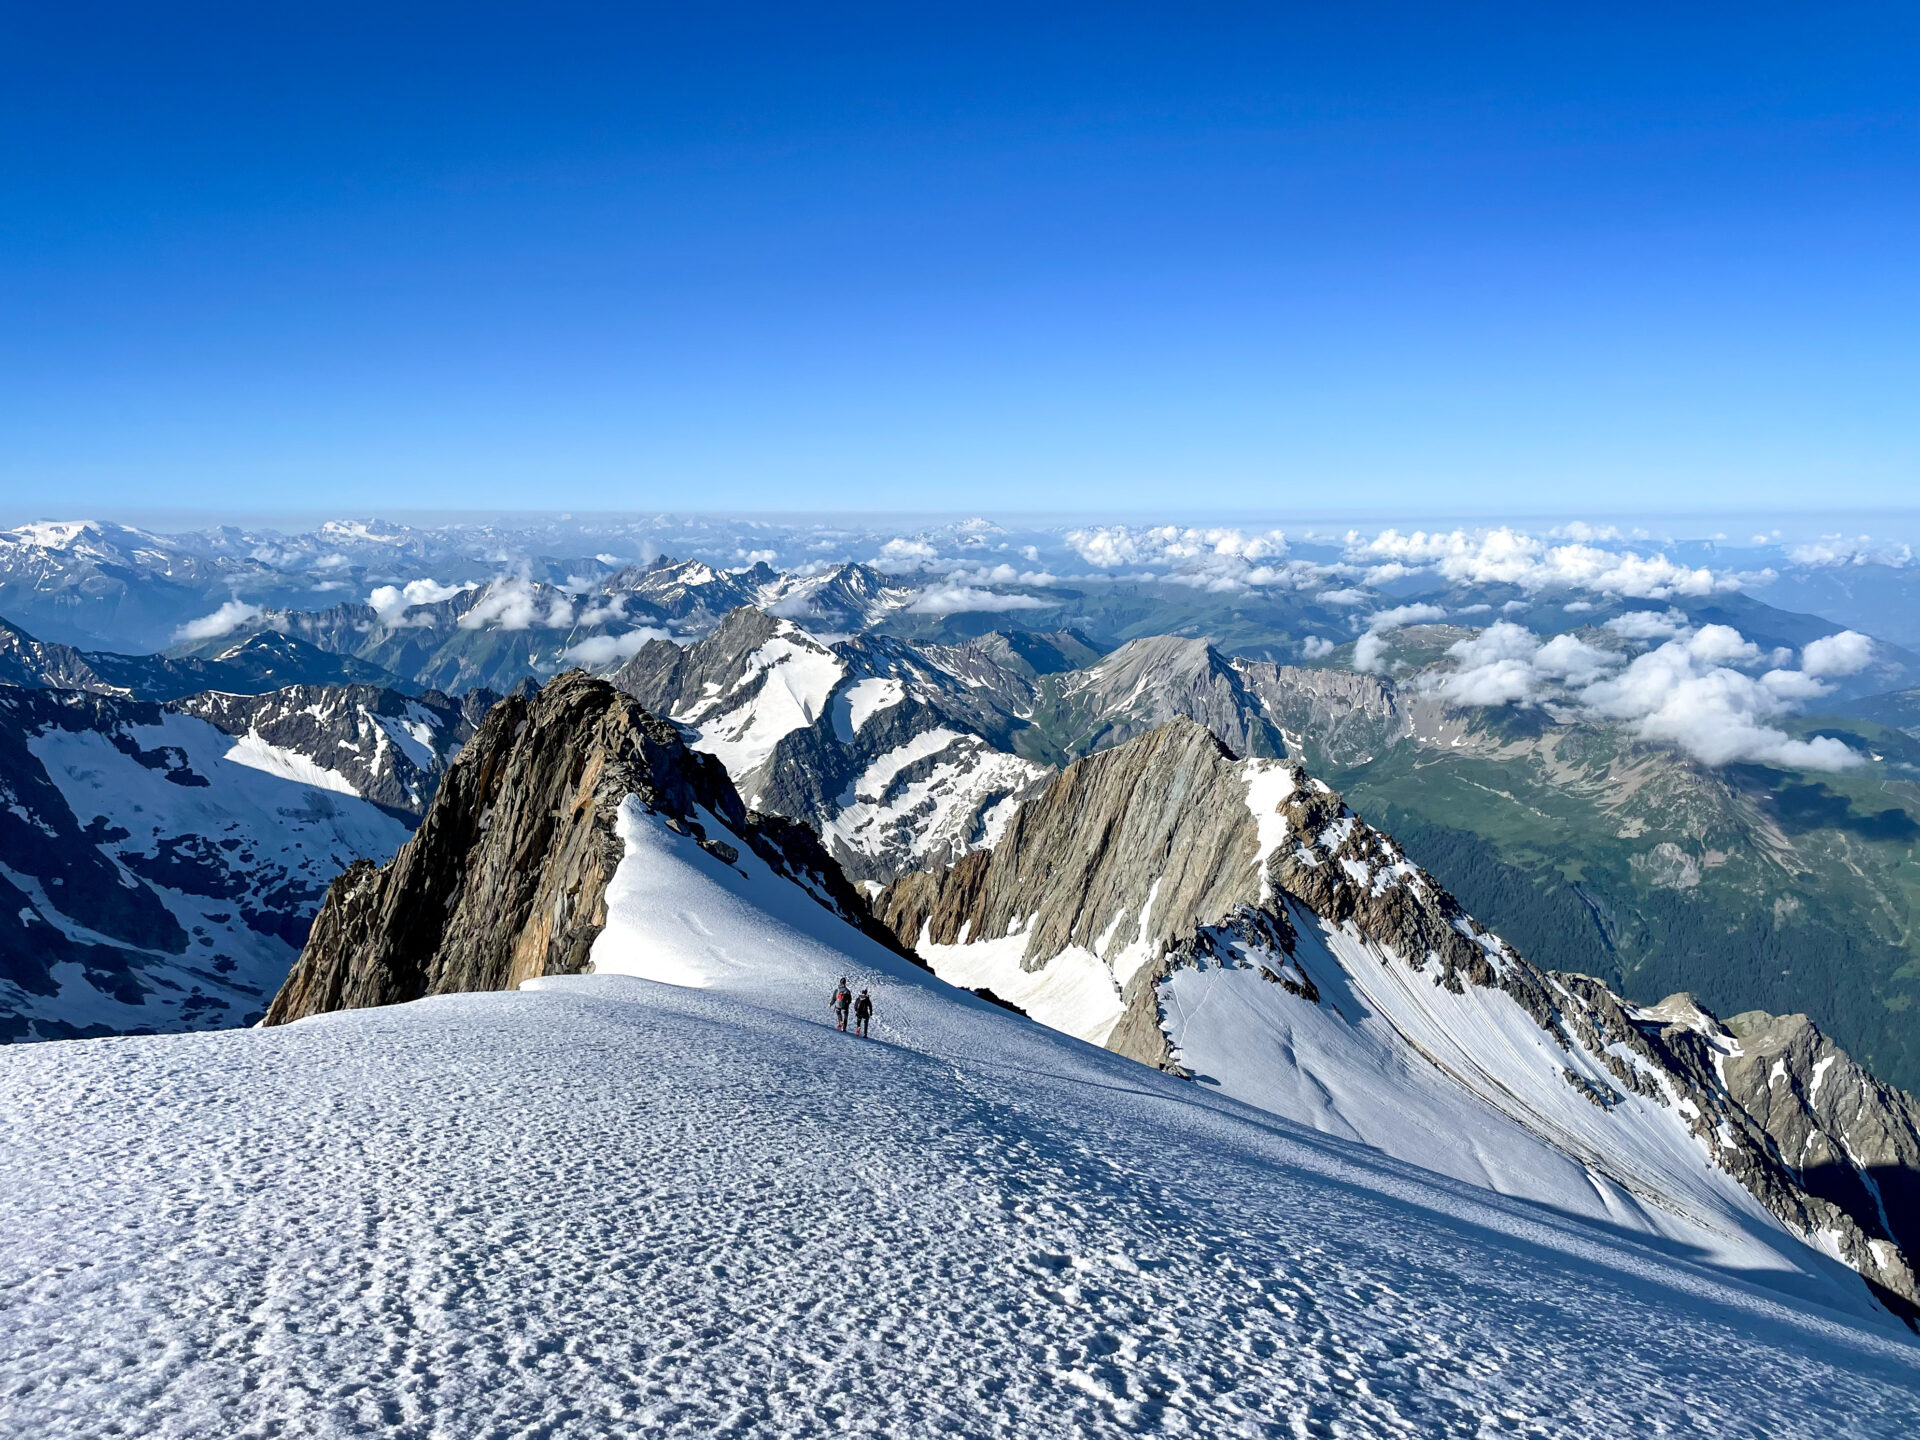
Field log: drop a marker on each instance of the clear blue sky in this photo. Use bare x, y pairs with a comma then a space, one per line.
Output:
1126, 257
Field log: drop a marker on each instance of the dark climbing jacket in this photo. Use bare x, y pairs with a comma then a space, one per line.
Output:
863, 1007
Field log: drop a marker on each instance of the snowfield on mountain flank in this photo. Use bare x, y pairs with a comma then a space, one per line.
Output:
611, 1205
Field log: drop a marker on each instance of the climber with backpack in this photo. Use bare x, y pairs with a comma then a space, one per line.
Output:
862, 1013
842, 1002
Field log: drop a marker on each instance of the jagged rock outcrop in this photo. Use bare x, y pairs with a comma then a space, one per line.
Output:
1007, 666
1166, 814
506, 877
1166, 852
1848, 1138
894, 761
1333, 717
1139, 687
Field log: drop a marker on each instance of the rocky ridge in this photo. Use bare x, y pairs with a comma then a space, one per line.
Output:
506, 877
1140, 686
252, 666
893, 760
155, 874
390, 748
1167, 853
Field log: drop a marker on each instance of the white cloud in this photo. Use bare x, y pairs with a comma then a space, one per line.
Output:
1716, 714
1569, 658
1647, 624
1719, 645
1795, 685
1370, 653
1392, 570
1847, 653
1506, 664
1580, 530
1313, 647
1838, 550
1686, 693
902, 554
1404, 615
607, 610
224, 621
1513, 557
956, 599
600, 650
1001, 574
1343, 597
507, 605
391, 602
1107, 546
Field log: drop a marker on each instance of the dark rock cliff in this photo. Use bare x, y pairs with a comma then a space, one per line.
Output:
506, 877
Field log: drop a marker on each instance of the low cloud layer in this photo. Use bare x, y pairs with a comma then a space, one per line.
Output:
957, 599
224, 621
518, 604
1110, 546
391, 602
1696, 690
1505, 556
1370, 650
599, 651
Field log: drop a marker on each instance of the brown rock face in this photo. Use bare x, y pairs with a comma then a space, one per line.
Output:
506, 878
1168, 807
1157, 840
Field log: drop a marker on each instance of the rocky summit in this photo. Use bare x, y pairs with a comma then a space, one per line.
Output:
506, 878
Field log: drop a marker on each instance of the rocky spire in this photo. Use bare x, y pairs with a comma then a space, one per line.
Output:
506, 877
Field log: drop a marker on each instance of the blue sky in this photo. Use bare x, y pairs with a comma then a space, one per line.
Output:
1125, 258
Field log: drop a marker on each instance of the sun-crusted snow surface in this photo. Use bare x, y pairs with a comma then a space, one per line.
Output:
615, 1206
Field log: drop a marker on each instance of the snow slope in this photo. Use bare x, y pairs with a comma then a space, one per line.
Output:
1349, 1027
229, 842
668, 1199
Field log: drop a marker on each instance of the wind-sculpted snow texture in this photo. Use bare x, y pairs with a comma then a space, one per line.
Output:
157, 872
1235, 920
895, 761
608, 1205
506, 878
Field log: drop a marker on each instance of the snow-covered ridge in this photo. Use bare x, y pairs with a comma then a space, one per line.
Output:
159, 870
891, 758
